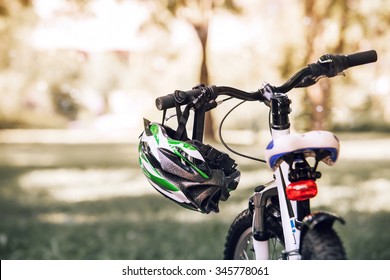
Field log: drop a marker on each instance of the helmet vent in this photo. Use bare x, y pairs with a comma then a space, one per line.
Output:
207, 197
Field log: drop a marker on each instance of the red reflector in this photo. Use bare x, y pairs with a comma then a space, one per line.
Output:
301, 190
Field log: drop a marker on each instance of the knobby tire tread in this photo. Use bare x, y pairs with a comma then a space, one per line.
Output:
322, 243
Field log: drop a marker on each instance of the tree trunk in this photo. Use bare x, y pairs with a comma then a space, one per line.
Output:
319, 97
202, 31
318, 94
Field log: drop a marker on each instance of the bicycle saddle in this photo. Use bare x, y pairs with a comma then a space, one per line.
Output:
323, 145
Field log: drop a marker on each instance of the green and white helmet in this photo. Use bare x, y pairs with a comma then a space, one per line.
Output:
190, 173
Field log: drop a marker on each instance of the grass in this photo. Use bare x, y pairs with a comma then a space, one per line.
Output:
39, 219
112, 235
117, 228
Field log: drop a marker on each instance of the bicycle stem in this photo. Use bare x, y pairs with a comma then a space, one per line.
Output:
280, 109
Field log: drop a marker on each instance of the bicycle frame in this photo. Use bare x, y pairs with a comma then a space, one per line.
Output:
292, 212
280, 127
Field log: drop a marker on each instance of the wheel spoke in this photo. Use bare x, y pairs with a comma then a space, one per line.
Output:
239, 244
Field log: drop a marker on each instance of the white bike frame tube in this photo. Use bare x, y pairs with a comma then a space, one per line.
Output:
290, 232
261, 249
277, 133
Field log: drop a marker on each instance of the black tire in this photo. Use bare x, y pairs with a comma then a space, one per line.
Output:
239, 238
322, 243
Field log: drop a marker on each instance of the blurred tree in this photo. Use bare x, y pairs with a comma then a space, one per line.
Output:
198, 14
12, 17
16, 19
319, 16
335, 26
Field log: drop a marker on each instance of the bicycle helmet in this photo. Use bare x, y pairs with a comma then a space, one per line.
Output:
192, 174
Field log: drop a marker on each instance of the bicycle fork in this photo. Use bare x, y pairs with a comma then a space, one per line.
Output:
287, 215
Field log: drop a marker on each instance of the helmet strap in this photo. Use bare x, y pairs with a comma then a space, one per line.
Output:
182, 118
163, 117
200, 104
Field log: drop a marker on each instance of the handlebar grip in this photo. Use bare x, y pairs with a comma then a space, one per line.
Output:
331, 65
165, 102
361, 58
178, 97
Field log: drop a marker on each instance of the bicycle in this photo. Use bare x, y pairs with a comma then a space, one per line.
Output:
278, 223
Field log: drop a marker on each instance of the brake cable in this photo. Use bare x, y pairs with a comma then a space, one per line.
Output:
224, 143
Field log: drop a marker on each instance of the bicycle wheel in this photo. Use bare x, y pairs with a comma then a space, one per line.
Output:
239, 244
319, 243
322, 243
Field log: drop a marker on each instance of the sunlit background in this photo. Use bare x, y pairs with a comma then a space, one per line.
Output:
77, 77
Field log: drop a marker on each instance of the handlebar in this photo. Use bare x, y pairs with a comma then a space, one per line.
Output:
184, 97
328, 65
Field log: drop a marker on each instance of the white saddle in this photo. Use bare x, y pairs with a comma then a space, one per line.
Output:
310, 144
